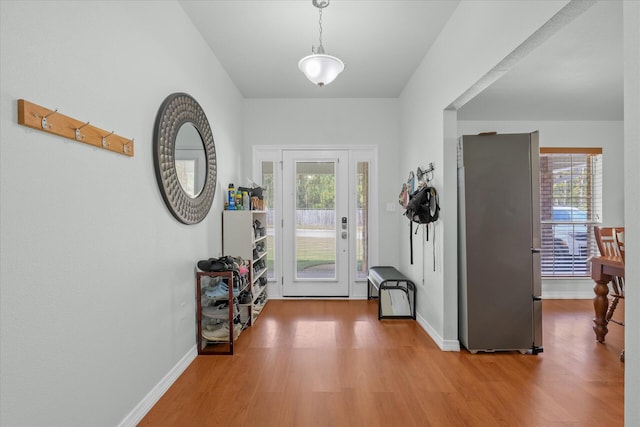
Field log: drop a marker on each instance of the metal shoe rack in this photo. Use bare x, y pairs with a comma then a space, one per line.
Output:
216, 335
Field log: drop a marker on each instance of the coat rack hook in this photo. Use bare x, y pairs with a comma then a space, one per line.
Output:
125, 145
104, 139
44, 123
429, 172
425, 175
80, 136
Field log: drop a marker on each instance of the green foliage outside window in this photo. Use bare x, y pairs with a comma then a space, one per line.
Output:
315, 191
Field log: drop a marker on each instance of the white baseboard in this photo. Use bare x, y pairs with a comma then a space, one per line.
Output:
567, 288
156, 392
454, 345
568, 295
445, 345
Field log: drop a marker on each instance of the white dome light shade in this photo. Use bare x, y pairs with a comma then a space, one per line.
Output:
321, 69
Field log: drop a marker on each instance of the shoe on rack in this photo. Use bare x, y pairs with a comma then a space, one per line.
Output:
244, 298
220, 333
213, 326
237, 329
261, 299
219, 311
211, 331
218, 291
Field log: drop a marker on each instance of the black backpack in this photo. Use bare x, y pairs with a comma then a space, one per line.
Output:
423, 208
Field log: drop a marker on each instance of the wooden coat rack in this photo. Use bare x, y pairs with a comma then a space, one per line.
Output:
50, 121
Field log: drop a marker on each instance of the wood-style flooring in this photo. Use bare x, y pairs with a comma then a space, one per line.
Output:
333, 363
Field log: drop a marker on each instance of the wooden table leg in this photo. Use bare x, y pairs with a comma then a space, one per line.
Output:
600, 305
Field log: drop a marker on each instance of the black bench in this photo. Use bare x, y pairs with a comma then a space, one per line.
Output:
396, 293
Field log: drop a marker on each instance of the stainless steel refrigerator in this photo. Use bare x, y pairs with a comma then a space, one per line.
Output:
500, 307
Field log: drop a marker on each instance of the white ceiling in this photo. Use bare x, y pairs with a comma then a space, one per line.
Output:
260, 42
575, 75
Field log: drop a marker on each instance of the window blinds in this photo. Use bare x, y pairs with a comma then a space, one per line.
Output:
570, 206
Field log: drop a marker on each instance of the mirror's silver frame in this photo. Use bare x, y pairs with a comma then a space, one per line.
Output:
176, 110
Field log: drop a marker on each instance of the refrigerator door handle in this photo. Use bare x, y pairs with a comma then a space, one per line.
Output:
536, 250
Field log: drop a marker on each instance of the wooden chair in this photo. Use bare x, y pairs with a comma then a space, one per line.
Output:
609, 244
620, 242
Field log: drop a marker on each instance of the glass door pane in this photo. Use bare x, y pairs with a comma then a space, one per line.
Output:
362, 220
316, 224
315, 254
268, 180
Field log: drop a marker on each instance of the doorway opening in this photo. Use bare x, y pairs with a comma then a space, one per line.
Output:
321, 220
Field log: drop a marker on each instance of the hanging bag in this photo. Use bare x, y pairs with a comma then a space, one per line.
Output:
423, 208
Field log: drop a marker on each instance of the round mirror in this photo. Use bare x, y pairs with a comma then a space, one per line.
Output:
190, 160
185, 158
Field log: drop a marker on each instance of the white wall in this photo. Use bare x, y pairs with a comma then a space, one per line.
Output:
476, 38
97, 277
631, 12
607, 135
337, 122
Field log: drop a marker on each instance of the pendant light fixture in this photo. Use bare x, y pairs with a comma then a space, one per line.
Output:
320, 68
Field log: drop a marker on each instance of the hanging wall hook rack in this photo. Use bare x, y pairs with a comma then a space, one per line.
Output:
40, 118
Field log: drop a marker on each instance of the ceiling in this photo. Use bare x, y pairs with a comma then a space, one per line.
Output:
575, 75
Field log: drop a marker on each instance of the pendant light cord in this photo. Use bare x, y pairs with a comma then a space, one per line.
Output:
320, 24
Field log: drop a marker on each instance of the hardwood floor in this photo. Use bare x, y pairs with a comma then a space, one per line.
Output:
333, 363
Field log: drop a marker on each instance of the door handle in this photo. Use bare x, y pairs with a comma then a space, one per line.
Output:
344, 234
536, 250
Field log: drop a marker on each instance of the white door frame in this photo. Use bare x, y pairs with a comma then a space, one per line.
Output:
358, 153
298, 286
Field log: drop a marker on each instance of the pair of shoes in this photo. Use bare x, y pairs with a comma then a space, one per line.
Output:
244, 298
259, 304
217, 291
220, 290
219, 311
261, 300
221, 333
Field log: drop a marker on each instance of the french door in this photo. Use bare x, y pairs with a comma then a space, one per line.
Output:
315, 223
321, 228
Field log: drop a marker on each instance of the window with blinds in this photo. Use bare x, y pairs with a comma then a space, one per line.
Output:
570, 206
